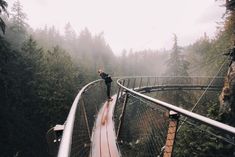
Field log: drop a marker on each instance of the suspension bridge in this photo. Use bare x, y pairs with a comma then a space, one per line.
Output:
138, 123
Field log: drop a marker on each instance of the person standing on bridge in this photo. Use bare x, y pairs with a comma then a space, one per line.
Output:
107, 79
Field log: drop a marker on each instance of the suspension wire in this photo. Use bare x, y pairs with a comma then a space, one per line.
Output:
209, 84
204, 91
143, 117
210, 61
219, 137
207, 63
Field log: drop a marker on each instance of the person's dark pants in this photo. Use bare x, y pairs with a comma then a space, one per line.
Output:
108, 90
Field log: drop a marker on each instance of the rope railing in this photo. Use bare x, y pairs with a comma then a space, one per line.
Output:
142, 121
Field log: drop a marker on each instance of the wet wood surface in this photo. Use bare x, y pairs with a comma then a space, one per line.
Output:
103, 135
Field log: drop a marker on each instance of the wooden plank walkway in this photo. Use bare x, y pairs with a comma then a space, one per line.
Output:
103, 135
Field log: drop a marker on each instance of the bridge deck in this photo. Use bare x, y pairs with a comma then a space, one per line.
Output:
103, 136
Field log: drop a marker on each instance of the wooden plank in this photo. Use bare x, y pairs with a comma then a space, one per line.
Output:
111, 130
103, 135
105, 113
95, 139
104, 145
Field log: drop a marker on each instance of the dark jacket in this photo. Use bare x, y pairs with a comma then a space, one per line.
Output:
106, 77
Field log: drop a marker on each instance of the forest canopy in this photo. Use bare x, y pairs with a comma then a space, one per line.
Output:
41, 71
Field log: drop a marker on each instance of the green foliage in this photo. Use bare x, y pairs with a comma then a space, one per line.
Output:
37, 89
201, 140
177, 65
18, 18
39, 80
145, 62
17, 106
206, 58
17, 26
3, 6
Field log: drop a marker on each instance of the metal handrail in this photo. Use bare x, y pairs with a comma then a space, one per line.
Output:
184, 112
166, 76
65, 145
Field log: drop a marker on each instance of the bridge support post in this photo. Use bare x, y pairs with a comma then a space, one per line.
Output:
172, 129
85, 117
121, 118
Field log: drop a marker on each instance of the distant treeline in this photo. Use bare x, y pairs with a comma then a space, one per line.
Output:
42, 70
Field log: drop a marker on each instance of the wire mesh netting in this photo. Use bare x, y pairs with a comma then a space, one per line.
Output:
142, 126
200, 140
88, 106
143, 129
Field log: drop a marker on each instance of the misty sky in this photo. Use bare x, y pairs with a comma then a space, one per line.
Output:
136, 24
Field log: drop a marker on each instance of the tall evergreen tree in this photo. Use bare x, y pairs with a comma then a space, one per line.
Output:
17, 29
177, 65
70, 34
3, 6
18, 18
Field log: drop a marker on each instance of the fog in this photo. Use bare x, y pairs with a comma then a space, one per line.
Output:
51, 49
130, 24
124, 37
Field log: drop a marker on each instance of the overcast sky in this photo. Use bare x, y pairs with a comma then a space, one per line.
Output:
136, 24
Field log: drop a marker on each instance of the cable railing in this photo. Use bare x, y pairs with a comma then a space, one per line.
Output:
142, 121
76, 139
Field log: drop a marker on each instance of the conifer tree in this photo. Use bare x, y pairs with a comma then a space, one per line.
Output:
3, 6
18, 18
177, 65
17, 29
177, 69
